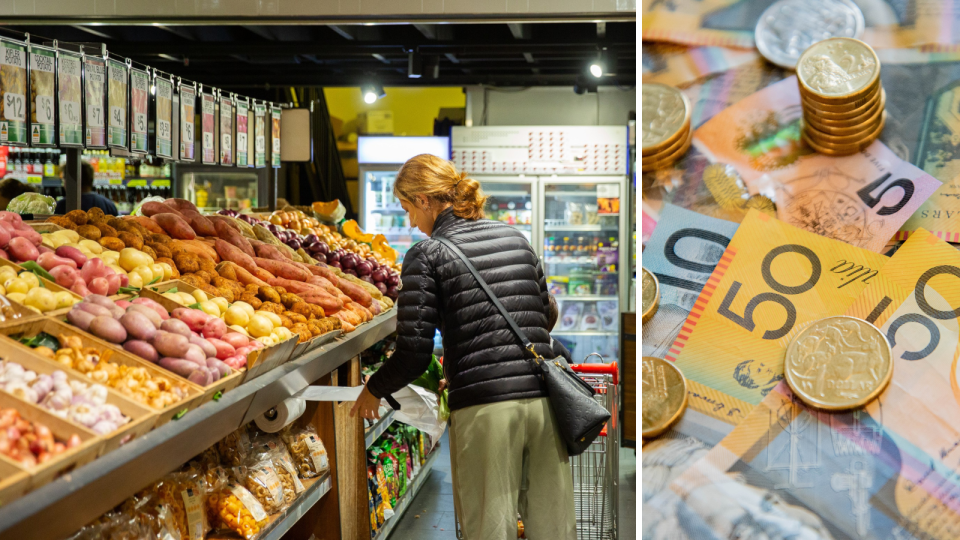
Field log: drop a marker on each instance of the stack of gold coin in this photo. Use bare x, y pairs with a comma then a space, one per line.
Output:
664, 394
841, 96
664, 126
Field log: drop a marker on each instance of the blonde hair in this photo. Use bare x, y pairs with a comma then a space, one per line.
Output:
438, 180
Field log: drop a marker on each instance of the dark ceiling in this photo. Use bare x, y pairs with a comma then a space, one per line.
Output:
254, 59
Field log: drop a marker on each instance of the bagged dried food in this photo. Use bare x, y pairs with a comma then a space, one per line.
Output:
308, 451
183, 493
234, 447
262, 480
282, 464
233, 507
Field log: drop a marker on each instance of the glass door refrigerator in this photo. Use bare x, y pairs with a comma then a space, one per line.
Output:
379, 159
584, 235
510, 199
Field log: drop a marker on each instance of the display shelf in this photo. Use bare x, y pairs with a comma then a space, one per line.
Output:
570, 260
378, 429
521, 226
585, 297
282, 522
61, 507
407, 498
579, 228
506, 193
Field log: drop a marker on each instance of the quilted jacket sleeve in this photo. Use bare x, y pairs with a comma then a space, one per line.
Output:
418, 316
544, 293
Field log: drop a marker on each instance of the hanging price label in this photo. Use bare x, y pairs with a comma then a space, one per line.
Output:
188, 104
13, 107
242, 142
163, 130
139, 99
116, 117
42, 87
94, 93
70, 93
44, 109
95, 114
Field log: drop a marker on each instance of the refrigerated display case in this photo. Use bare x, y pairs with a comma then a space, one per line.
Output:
510, 199
213, 188
585, 239
379, 159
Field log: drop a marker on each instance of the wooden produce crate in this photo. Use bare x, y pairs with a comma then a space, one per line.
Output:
142, 418
26, 312
118, 355
62, 430
258, 362
43, 227
14, 481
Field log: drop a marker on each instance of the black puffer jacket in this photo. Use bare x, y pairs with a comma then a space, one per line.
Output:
483, 361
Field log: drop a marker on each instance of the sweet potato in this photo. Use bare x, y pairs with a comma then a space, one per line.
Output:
174, 225
201, 248
310, 294
325, 284
200, 224
270, 252
235, 272
355, 292
283, 269
264, 274
182, 205
154, 208
224, 219
229, 234
325, 271
229, 252
146, 223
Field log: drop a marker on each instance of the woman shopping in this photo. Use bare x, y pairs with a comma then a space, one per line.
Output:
501, 422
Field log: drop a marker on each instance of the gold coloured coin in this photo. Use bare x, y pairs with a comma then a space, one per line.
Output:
665, 117
650, 164
846, 122
834, 130
762, 203
869, 95
670, 150
844, 149
838, 363
865, 109
650, 291
838, 70
663, 394
859, 132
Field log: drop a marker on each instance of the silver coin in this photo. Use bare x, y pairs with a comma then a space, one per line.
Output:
788, 27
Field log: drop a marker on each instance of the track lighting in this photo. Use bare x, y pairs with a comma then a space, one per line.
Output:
372, 92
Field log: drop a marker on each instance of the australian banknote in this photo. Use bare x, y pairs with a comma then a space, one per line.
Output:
862, 199
731, 23
677, 65
887, 470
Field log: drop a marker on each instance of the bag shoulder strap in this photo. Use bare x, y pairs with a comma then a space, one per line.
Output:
486, 288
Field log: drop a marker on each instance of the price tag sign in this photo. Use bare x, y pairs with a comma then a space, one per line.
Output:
13, 93
139, 97
164, 115
242, 111
208, 151
260, 134
42, 86
188, 110
94, 98
275, 137
226, 131
70, 98
117, 99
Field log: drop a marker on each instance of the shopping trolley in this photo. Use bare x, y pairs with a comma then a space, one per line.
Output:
596, 472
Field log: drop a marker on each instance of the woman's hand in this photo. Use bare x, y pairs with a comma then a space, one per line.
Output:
442, 387
367, 405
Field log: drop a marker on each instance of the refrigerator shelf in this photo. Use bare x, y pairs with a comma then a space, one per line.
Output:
585, 297
585, 332
580, 228
505, 193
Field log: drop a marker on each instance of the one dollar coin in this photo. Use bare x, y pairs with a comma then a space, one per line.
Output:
664, 394
650, 295
838, 363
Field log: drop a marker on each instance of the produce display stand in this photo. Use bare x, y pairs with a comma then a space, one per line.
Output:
64, 505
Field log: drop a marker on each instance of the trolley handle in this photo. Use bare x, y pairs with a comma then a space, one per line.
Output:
602, 369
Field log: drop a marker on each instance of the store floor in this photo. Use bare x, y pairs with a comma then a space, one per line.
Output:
431, 515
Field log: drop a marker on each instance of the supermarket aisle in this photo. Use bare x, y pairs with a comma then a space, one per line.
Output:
430, 517
434, 503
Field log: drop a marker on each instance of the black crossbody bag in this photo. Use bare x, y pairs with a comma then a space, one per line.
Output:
579, 417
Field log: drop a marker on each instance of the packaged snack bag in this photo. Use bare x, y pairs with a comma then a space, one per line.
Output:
261, 479
308, 451
233, 507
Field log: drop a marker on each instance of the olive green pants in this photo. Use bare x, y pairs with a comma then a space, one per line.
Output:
492, 448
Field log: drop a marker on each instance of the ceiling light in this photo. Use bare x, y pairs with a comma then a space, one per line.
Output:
605, 64
372, 92
596, 69
414, 65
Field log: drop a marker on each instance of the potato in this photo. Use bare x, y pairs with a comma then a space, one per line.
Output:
214, 328
259, 326
22, 249
154, 306
113, 243
90, 232
218, 365
184, 368
132, 240
201, 377
176, 326
80, 318
196, 355
77, 216
235, 339
138, 325
200, 296
224, 349
108, 328
186, 298
272, 317
142, 349
170, 344
147, 312
194, 318
97, 310
206, 346
93, 246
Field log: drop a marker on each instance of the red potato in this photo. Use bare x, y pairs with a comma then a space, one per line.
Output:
282, 269
208, 348
22, 249
196, 355
176, 326
170, 344
73, 253
80, 318
142, 349
175, 226
80, 288
50, 260
224, 349
146, 223
4, 237
65, 276
99, 285
107, 328
114, 282
93, 268
123, 304
154, 208
229, 252
152, 304
236, 339
218, 365
28, 233
184, 368
214, 328
194, 318
138, 325
230, 234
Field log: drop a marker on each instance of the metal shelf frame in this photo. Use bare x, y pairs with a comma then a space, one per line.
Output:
378, 429
63, 506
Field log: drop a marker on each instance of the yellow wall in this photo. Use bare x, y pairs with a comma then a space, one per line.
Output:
414, 109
